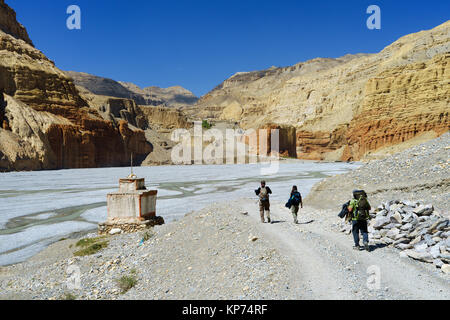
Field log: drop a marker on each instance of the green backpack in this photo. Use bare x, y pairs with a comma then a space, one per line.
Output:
362, 206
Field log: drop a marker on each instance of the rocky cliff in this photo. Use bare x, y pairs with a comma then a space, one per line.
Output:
345, 108
9, 24
46, 124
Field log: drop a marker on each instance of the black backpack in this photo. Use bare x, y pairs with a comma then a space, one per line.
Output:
296, 198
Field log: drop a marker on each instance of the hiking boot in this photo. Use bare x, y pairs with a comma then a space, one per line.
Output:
269, 221
356, 247
366, 247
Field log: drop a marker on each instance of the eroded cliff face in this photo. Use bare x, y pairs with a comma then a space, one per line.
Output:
24, 144
401, 103
9, 24
71, 134
345, 108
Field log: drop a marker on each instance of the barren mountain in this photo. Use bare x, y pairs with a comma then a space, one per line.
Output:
345, 108
172, 97
103, 86
152, 96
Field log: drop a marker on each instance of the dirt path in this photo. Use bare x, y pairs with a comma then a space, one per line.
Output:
325, 266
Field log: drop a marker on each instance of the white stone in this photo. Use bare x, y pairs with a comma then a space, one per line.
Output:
446, 268
420, 247
115, 231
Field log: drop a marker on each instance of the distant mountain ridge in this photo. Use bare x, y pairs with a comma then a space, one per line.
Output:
152, 96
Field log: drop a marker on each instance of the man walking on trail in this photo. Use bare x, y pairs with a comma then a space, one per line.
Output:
359, 209
295, 200
264, 203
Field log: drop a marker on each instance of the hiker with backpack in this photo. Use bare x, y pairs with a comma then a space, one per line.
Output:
358, 209
295, 200
264, 203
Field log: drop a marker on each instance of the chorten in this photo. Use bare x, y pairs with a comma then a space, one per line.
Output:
131, 208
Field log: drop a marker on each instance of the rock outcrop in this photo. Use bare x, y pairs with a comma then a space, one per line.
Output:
55, 127
24, 145
9, 24
345, 108
169, 118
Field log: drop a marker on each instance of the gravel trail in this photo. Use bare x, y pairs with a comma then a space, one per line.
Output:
329, 268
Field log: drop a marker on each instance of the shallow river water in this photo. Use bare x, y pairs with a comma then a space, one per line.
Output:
41, 207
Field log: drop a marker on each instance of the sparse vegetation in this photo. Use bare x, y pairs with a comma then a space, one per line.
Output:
206, 124
147, 235
125, 283
88, 241
90, 246
69, 296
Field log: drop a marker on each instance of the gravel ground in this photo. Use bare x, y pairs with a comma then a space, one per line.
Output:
419, 173
207, 255
222, 253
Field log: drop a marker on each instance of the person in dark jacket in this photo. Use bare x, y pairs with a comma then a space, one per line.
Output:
295, 201
264, 203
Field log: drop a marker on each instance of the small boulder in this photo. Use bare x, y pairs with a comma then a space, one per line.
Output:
421, 247
446, 268
424, 210
420, 256
416, 240
392, 233
396, 217
428, 239
403, 246
115, 231
434, 251
438, 263
407, 218
406, 227
380, 222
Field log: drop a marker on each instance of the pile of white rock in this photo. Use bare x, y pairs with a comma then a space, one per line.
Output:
413, 227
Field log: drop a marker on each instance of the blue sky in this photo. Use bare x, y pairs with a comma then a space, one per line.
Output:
198, 44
